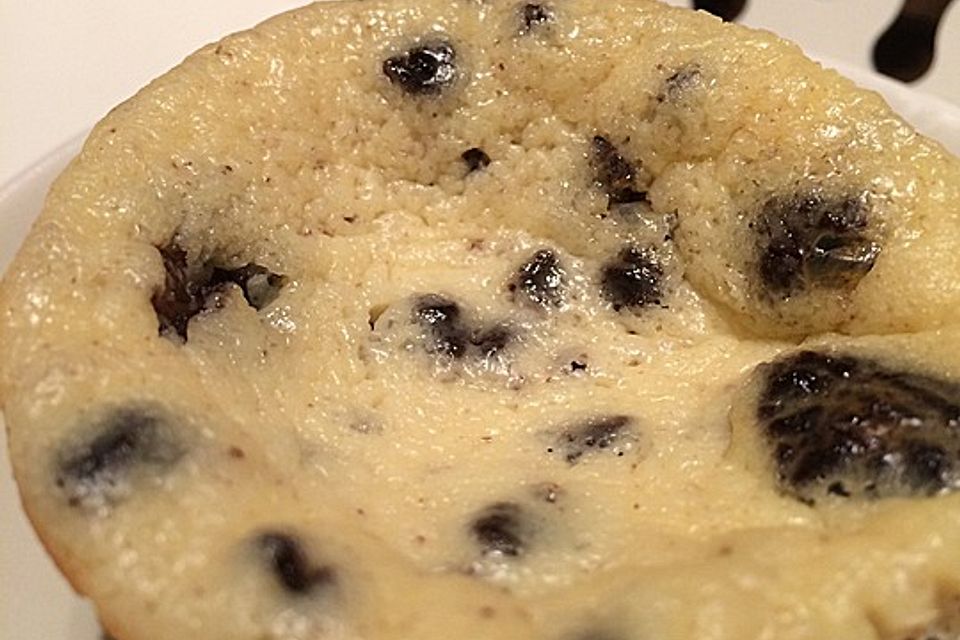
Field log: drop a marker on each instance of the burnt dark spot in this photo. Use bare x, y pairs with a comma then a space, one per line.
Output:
441, 317
188, 288
540, 280
679, 84
499, 529
577, 365
613, 434
633, 280
126, 442
852, 427
475, 159
726, 9
810, 240
424, 70
491, 342
287, 560
614, 174
534, 15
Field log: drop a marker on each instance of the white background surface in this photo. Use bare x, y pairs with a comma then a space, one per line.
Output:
64, 63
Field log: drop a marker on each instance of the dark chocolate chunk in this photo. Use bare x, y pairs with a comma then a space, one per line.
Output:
851, 427
614, 433
633, 280
540, 280
499, 529
288, 561
614, 174
125, 442
534, 15
808, 240
442, 318
425, 70
475, 159
188, 288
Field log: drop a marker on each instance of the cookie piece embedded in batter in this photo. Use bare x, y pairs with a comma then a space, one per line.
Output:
125, 446
540, 280
287, 560
843, 425
426, 69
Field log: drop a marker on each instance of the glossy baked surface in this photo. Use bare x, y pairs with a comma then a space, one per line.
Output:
389, 321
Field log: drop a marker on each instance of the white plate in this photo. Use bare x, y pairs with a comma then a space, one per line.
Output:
35, 602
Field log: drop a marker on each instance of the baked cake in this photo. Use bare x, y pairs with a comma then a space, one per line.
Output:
476, 319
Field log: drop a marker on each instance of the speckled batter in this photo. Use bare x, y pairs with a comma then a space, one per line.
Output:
581, 320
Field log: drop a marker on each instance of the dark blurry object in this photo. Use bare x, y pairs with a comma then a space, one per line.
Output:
725, 9
905, 50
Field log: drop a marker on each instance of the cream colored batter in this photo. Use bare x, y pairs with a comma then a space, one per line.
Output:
409, 320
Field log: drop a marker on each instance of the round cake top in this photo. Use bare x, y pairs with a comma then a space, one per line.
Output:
576, 320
